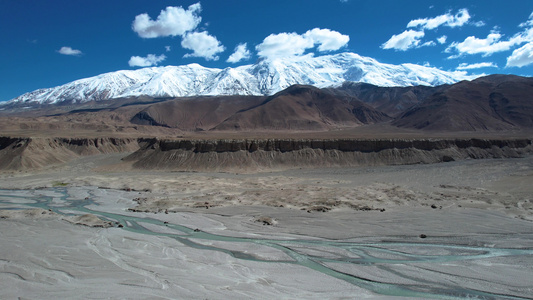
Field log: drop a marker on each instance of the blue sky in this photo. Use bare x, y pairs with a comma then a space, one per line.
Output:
49, 43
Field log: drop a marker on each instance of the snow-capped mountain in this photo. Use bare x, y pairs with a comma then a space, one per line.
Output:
266, 77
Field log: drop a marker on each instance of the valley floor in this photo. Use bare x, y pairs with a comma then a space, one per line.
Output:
456, 229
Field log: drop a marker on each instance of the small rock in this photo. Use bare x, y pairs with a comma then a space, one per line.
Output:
318, 208
447, 158
265, 220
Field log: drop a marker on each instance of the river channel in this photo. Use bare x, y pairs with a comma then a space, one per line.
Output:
334, 258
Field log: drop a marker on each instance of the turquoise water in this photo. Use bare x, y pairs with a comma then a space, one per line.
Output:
324, 252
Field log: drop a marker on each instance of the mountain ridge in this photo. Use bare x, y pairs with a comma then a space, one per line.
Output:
491, 103
266, 77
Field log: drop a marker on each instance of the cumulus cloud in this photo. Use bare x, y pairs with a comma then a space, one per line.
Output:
241, 53
487, 46
465, 66
328, 40
148, 61
412, 38
177, 21
202, 44
404, 41
495, 42
293, 44
521, 57
172, 21
69, 51
283, 44
447, 19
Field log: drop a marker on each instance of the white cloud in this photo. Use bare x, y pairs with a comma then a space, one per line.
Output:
403, 41
455, 56
176, 21
442, 39
412, 38
527, 23
447, 19
328, 40
521, 57
202, 44
69, 51
172, 21
292, 44
479, 24
241, 53
283, 44
148, 61
487, 46
494, 43
465, 66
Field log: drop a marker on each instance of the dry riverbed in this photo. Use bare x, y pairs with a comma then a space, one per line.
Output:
483, 204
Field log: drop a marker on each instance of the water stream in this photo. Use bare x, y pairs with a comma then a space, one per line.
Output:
316, 254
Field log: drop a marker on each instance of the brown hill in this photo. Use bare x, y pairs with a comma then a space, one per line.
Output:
304, 108
390, 100
198, 113
296, 108
495, 102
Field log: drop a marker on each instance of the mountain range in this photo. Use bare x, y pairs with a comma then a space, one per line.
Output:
266, 77
298, 94
490, 103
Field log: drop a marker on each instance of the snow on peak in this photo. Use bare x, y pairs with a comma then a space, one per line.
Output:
265, 77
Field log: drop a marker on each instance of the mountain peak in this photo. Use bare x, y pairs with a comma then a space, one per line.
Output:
266, 77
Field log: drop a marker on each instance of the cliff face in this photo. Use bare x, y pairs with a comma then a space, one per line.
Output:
35, 153
243, 155
254, 154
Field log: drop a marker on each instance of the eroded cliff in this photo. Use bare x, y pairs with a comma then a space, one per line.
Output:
252, 155
34, 153
243, 155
